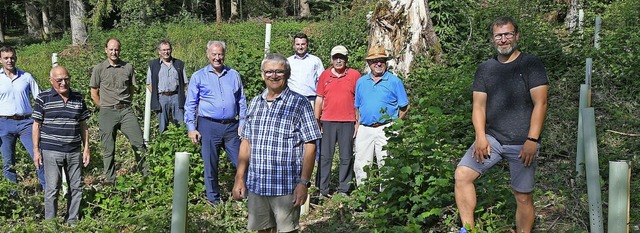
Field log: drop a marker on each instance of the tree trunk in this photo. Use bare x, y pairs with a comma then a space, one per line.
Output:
305, 12
404, 28
234, 10
1, 32
46, 25
571, 21
218, 11
78, 28
34, 26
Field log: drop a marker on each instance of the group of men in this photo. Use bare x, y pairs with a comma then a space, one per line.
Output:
273, 140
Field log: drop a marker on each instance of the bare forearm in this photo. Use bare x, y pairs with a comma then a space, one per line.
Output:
309, 160
35, 135
317, 110
403, 112
243, 159
95, 96
84, 135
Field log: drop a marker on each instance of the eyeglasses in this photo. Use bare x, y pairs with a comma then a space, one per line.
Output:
59, 81
376, 61
506, 35
271, 72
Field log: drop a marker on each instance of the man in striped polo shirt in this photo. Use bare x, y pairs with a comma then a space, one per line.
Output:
60, 141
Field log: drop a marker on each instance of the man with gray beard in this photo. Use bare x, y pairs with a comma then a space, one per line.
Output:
509, 108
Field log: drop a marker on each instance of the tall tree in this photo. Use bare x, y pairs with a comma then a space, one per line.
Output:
234, 10
218, 11
34, 26
46, 25
1, 32
404, 28
78, 28
305, 11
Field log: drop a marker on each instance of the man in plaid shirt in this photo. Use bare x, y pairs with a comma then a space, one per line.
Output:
277, 152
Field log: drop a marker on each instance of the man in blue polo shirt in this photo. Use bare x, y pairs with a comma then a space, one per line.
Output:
15, 113
214, 112
61, 141
376, 92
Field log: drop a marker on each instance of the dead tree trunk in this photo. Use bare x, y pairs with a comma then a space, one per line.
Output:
78, 28
1, 32
405, 29
46, 25
34, 26
571, 21
234, 10
305, 11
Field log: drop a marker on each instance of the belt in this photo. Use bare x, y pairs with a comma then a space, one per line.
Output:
168, 93
221, 121
118, 106
376, 125
17, 117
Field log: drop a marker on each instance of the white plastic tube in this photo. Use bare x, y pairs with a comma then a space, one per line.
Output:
180, 193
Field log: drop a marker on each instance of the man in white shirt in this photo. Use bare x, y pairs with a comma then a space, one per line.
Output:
15, 114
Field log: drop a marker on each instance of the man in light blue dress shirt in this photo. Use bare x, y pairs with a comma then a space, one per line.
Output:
15, 113
215, 110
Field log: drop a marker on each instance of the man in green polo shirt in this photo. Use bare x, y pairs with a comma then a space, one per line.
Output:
112, 88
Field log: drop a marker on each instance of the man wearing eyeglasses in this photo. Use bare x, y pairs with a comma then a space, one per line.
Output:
509, 108
336, 116
215, 111
61, 142
15, 114
277, 152
380, 97
166, 79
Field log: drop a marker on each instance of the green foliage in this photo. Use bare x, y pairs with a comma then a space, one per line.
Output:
418, 176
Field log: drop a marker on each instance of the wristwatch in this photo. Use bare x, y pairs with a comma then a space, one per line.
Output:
306, 183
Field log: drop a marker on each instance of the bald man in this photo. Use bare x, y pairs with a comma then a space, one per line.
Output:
61, 141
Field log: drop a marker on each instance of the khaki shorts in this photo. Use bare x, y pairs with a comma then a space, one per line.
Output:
268, 212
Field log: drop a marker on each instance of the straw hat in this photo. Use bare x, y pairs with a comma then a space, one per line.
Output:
339, 50
376, 52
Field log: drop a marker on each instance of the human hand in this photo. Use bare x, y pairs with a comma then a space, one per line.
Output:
528, 152
355, 129
37, 158
481, 149
195, 136
300, 195
85, 158
239, 191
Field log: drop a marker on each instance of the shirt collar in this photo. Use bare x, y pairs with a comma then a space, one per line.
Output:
385, 76
284, 93
161, 61
344, 74
18, 72
224, 70
295, 56
120, 63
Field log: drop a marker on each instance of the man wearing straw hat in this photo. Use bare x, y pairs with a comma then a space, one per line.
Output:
380, 97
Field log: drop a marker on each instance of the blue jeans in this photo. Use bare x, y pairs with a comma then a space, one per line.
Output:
169, 106
10, 130
215, 136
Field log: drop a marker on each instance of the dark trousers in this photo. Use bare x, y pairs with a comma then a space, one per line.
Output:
109, 121
332, 133
215, 136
